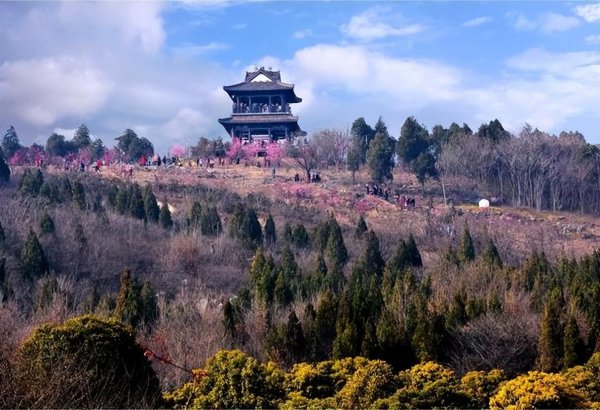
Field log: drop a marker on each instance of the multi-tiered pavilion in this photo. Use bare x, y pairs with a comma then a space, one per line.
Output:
261, 108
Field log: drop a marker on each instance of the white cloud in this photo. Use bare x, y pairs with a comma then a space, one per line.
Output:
478, 21
589, 12
373, 24
200, 49
41, 91
300, 34
545, 22
594, 39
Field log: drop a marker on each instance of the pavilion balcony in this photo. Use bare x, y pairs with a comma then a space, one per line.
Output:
256, 108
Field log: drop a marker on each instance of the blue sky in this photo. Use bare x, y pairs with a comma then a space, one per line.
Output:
159, 67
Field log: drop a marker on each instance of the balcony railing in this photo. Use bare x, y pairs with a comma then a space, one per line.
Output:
257, 108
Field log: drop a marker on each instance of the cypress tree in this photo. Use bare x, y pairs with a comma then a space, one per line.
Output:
336, 249
151, 209
196, 215
78, 195
270, 232
31, 182
309, 328
287, 277
491, 257
229, 324
321, 234
262, 280
294, 342
237, 221
414, 256
122, 200
149, 304
251, 232
550, 345
164, 218
288, 236
136, 202
211, 222
4, 170
80, 238
128, 307
33, 259
361, 227
372, 261
572, 344
47, 224
327, 313
300, 236
467, 249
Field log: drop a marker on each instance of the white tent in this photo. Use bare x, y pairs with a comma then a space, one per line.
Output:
484, 203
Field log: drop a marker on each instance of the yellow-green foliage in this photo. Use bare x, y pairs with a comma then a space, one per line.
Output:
479, 386
86, 362
231, 379
312, 381
369, 383
296, 401
426, 385
538, 390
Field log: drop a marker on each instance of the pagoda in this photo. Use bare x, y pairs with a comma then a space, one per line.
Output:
261, 108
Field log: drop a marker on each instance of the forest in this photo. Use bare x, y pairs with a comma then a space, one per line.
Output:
174, 287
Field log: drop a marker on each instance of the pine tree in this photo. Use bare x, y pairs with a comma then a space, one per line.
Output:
288, 236
270, 232
80, 238
287, 278
164, 218
82, 139
122, 200
490, 255
336, 249
380, 156
128, 307
10, 143
31, 182
149, 304
372, 261
467, 249
2, 235
33, 259
4, 170
414, 256
361, 227
294, 342
550, 343
78, 195
196, 215
229, 324
211, 222
300, 236
572, 344
136, 202
262, 280
327, 313
237, 221
151, 209
251, 232
47, 224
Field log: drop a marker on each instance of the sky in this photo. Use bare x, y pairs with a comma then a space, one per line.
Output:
159, 67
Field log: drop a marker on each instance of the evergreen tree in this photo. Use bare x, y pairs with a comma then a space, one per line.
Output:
413, 254
4, 170
262, 280
2, 235
164, 218
251, 232
336, 249
136, 202
33, 259
10, 143
361, 227
490, 255
82, 139
78, 195
294, 342
287, 278
211, 222
128, 307
149, 304
151, 209
321, 234
231, 323
122, 200
467, 249
550, 345
80, 238
380, 157
572, 344
362, 134
372, 262
47, 224
327, 313
270, 232
288, 236
31, 182
300, 237
196, 215
237, 221
413, 141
